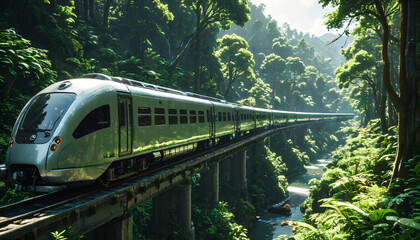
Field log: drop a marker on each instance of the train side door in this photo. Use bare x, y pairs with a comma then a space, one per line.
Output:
212, 124
237, 121
125, 125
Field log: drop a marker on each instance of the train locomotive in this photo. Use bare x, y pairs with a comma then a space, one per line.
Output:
102, 128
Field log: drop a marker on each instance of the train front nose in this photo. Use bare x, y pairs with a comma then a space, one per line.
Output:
33, 136
27, 162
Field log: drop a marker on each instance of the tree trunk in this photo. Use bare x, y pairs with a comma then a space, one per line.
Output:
409, 111
292, 88
385, 58
274, 90
78, 8
197, 55
391, 113
375, 95
86, 10
92, 9
231, 79
382, 110
107, 6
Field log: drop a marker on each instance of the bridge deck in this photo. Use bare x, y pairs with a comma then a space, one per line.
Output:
88, 213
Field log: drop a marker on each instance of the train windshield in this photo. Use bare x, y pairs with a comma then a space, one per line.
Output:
46, 110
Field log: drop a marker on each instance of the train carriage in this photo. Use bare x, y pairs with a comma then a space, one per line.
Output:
246, 119
103, 128
224, 120
167, 120
262, 118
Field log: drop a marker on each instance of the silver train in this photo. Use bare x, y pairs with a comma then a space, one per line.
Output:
101, 128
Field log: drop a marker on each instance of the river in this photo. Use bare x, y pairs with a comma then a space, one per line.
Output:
269, 224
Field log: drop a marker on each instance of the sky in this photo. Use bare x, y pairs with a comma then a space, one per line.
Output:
302, 15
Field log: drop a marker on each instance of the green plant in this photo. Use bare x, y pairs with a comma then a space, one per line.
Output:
59, 235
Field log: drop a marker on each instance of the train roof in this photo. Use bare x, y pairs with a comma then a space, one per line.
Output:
128, 85
149, 86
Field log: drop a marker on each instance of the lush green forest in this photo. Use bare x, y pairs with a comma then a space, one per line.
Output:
232, 50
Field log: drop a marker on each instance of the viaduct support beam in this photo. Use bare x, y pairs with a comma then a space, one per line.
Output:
117, 228
174, 206
210, 184
238, 168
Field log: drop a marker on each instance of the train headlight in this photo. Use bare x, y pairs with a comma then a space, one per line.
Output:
53, 147
11, 142
57, 140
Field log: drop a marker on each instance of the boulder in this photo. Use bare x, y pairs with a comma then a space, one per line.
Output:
279, 209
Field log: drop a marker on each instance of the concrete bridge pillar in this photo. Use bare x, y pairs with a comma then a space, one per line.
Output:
117, 228
174, 206
210, 184
238, 170
300, 135
184, 209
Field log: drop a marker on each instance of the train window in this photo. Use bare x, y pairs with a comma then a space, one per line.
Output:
219, 117
173, 116
46, 111
96, 120
229, 117
193, 116
201, 116
224, 116
145, 116
183, 116
159, 116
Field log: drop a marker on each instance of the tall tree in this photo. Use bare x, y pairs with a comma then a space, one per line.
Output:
259, 95
362, 68
296, 68
273, 66
209, 12
237, 61
405, 101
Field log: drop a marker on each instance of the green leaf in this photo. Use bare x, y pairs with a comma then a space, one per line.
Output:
351, 206
377, 215
25, 65
408, 222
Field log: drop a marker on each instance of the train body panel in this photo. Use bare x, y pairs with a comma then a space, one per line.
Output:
246, 118
224, 119
262, 118
79, 130
166, 120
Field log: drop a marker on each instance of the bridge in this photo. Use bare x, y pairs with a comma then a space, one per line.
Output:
104, 213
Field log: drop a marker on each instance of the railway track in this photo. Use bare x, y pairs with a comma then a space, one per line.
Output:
17, 212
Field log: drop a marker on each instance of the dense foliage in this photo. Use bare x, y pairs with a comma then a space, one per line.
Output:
351, 200
371, 190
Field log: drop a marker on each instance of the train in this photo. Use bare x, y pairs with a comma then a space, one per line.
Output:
99, 128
